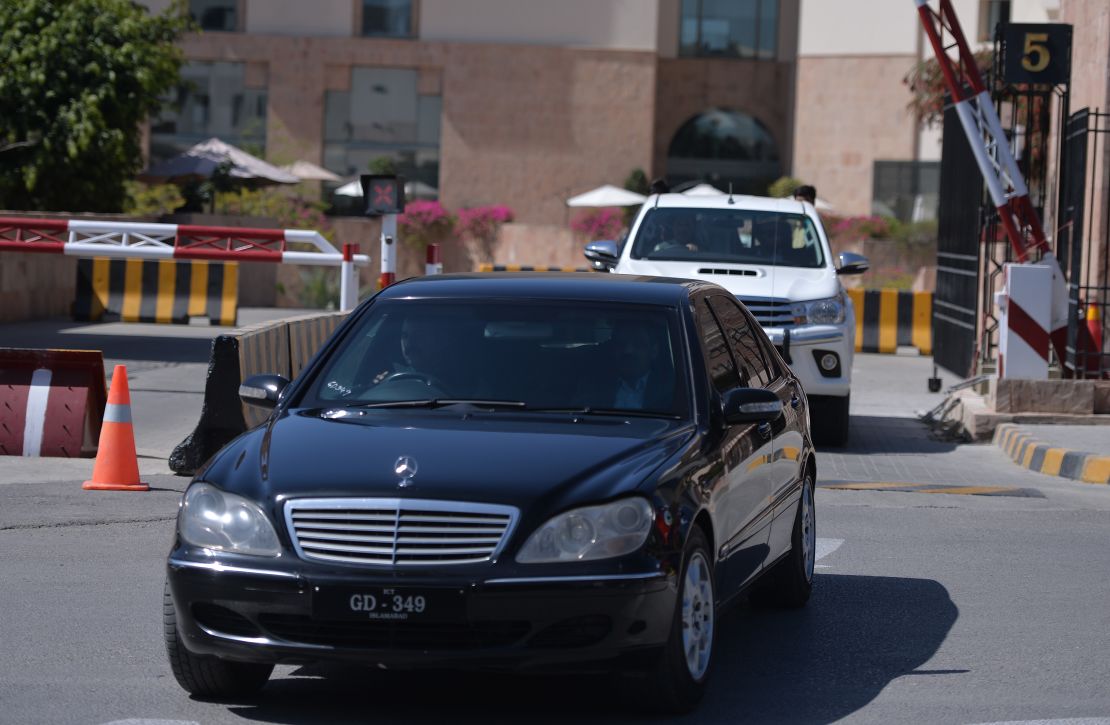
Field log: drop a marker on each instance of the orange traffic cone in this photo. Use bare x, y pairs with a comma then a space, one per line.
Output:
117, 466
1094, 327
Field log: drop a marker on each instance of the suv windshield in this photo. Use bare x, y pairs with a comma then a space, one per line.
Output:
741, 236
541, 355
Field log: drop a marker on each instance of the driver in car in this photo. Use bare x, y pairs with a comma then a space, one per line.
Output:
681, 234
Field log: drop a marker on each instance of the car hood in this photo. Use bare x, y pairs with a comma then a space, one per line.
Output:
746, 280
543, 461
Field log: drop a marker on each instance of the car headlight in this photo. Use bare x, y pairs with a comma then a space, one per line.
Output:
828, 311
214, 519
592, 532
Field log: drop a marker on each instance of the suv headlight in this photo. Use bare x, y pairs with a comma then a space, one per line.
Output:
592, 532
828, 311
214, 519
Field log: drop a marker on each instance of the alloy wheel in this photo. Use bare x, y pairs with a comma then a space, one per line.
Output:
697, 615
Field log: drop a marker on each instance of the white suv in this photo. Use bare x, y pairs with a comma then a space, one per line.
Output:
773, 254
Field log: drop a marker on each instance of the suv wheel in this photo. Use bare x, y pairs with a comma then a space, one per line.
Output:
829, 419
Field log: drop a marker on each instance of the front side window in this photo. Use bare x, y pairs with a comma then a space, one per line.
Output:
392, 18
722, 370
742, 339
729, 28
544, 355
740, 236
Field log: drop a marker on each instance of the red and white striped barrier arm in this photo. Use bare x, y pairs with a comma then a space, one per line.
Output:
130, 240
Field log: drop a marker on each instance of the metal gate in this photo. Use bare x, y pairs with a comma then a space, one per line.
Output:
955, 311
1084, 240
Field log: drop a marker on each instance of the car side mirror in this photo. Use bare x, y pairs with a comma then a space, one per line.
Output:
603, 254
751, 405
852, 263
262, 391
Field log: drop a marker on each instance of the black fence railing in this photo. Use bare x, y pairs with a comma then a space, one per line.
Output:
1084, 241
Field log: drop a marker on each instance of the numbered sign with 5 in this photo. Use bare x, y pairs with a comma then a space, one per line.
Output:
1037, 53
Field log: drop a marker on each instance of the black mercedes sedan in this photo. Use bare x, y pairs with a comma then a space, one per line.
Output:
504, 471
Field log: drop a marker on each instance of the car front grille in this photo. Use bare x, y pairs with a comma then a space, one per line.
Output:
770, 311
397, 532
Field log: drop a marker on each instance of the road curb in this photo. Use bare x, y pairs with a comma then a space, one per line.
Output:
1050, 460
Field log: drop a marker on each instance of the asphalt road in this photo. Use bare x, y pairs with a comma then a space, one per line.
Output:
928, 607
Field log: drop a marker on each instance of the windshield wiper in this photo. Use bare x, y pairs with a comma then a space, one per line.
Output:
589, 410
444, 402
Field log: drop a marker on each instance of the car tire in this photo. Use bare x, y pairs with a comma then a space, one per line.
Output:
204, 675
677, 680
829, 419
789, 583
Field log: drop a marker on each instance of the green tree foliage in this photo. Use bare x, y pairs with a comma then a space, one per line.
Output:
78, 79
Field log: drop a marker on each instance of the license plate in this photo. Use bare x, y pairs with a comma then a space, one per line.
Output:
387, 604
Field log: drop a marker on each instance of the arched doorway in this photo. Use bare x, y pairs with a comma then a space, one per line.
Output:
721, 146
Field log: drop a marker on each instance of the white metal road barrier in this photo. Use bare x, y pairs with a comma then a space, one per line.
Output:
131, 240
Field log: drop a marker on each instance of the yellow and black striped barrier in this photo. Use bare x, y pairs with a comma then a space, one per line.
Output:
1041, 457
163, 291
528, 268
889, 318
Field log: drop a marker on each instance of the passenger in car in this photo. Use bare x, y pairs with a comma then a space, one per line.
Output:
636, 377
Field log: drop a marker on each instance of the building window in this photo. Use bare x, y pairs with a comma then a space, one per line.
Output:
212, 100
724, 147
391, 18
729, 28
383, 122
908, 190
215, 14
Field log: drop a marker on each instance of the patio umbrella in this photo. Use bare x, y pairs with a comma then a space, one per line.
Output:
203, 159
308, 171
607, 195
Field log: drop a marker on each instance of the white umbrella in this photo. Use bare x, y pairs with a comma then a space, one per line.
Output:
308, 171
607, 195
203, 159
703, 190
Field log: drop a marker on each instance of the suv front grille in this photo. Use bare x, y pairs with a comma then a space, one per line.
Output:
397, 532
770, 311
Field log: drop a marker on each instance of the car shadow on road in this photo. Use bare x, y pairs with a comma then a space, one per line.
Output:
880, 434
813, 665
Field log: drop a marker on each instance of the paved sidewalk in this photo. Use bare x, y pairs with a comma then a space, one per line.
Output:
1078, 452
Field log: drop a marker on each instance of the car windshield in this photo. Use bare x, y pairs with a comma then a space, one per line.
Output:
741, 236
555, 355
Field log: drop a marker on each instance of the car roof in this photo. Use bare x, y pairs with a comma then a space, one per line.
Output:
740, 201
599, 286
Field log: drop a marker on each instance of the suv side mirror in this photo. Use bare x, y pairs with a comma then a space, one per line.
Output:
852, 263
603, 254
262, 390
751, 405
